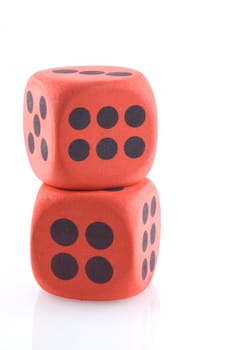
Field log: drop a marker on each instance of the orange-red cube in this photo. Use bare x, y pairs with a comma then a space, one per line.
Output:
90, 127
96, 245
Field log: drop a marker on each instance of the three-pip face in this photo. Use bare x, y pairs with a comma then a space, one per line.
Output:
96, 245
90, 127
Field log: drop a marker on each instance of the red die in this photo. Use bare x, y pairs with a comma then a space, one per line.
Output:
90, 127
96, 245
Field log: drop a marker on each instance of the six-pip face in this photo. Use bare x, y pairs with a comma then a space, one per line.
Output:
90, 127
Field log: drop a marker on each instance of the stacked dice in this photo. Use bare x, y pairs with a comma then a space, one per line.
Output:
90, 135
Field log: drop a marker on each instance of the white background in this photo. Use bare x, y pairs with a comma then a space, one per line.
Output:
186, 50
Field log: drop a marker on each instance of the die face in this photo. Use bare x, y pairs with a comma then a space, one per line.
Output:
78, 247
88, 245
38, 128
147, 245
104, 125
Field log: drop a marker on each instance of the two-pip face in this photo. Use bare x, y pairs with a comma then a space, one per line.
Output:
90, 127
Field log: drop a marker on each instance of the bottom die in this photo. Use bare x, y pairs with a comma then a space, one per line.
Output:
95, 245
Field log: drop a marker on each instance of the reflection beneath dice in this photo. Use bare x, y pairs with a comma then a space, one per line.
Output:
125, 324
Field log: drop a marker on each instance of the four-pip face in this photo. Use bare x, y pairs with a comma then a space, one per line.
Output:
97, 245
90, 127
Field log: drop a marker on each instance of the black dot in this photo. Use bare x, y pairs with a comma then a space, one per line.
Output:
99, 235
92, 72
114, 189
36, 125
152, 261
79, 118
145, 241
135, 116
31, 144
78, 150
65, 71
144, 269
29, 101
43, 107
119, 74
134, 147
107, 117
99, 270
152, 233
153, 206
44, 149
106, 148
145, 213
64, 232
64, 266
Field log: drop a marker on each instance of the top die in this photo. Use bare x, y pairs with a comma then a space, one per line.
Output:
90, 127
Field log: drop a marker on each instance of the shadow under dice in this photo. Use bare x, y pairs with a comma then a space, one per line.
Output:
97, 245
90, 127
